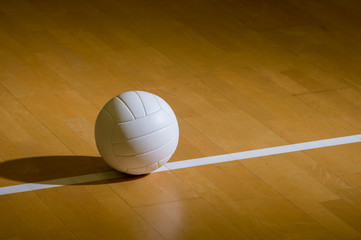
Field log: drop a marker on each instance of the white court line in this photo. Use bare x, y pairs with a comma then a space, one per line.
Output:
184, 164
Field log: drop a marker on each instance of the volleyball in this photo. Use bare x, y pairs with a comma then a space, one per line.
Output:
136, 132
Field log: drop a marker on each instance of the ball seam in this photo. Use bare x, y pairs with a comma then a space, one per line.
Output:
160, 105
127, 107
168, 156
147, 152
124, 122
144, 135
145, 113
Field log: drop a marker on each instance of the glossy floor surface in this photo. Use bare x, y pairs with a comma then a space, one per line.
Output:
239, 74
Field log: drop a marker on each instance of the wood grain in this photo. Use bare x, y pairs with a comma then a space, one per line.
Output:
240, 75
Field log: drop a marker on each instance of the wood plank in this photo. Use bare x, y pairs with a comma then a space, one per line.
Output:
306, 192
250, 203
95, 211
153, 189
240, 75
190, 219
33, 220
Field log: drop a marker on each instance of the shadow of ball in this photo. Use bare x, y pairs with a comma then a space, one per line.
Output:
136, 132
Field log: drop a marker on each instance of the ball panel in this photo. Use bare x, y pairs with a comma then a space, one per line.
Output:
145, 159
148, 169
133, 102
103, 131
140, 127
150, 103
144, 143
165, 107
118, 110
137, 171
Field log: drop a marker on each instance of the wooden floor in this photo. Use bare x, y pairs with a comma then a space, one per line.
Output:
239, 74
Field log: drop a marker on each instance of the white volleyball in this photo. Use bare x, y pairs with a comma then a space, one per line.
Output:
136, 132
